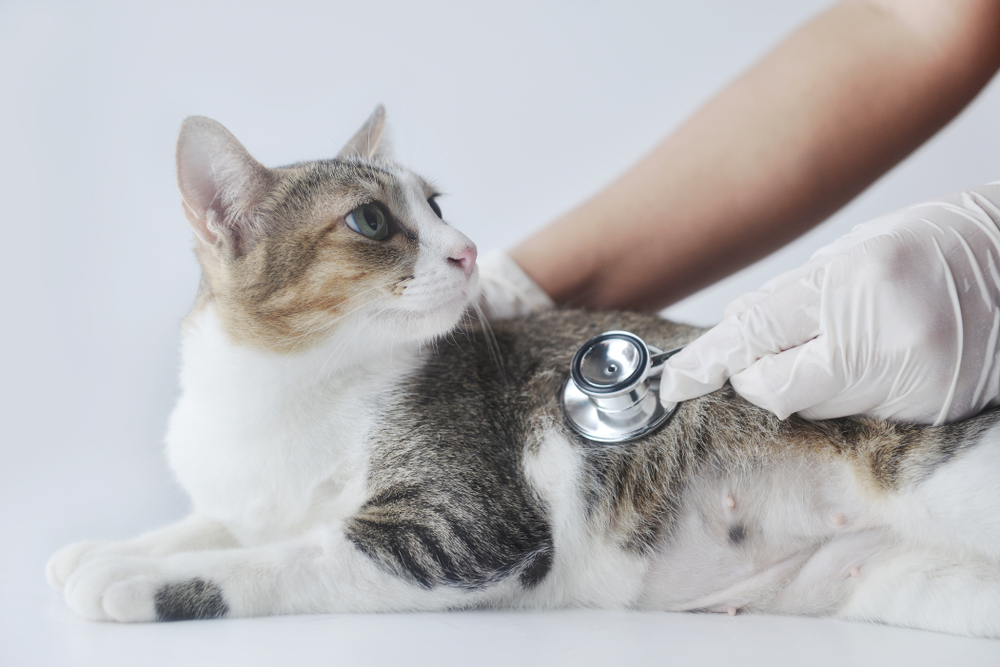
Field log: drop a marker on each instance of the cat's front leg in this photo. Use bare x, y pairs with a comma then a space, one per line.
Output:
323, 572
193, 533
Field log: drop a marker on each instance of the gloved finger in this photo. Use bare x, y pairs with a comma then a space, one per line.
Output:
791, 381
742, 304
864, 232
781, 321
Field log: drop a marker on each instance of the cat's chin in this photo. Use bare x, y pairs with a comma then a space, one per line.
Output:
431, 321
426, 325
431, 326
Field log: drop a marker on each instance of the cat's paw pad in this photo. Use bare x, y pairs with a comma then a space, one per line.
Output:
114, 589
64, 562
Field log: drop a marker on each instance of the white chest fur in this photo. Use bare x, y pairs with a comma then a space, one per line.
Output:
267, 443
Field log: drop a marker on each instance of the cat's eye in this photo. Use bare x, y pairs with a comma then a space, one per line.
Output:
432, 202
368, 220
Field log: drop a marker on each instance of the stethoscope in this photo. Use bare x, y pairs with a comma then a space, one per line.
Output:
613, 390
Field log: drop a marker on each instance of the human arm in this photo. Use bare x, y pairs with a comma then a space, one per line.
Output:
828, 111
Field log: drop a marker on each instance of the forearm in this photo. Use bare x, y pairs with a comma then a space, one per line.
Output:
826, 113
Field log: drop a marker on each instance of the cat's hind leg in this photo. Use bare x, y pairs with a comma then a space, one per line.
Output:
928, 590
954, 500
193, 533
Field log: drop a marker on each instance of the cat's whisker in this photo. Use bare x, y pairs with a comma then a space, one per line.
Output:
302, 338
492, 345
342, 345
485, 321
355, 331
331, 324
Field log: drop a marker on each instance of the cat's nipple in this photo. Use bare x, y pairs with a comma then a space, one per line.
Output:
466, 259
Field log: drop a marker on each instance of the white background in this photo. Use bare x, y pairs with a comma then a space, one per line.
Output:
518, 111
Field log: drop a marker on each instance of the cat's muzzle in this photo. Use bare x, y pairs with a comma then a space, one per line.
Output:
613, 390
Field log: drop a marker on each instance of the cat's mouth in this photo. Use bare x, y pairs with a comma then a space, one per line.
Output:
460, 296
445, 304
430, 309
402, 284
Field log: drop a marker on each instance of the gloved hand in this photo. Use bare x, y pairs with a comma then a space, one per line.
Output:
899, 319
507, 291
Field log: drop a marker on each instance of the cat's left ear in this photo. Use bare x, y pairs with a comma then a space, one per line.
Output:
222, 186
370, 141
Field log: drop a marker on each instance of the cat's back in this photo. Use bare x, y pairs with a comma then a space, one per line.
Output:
485, 394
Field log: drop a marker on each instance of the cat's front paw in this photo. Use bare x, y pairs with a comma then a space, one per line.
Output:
116, 588
64, 562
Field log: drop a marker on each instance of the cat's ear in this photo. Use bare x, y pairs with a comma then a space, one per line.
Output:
370, 141
221, 185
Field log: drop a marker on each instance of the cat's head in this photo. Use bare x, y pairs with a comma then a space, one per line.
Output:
295, 255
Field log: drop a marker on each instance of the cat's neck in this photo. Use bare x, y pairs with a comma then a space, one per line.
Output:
353, 354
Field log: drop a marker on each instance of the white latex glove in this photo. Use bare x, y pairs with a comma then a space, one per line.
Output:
899, 319
507, 291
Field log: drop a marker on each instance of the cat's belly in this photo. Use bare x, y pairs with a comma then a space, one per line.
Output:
788, 538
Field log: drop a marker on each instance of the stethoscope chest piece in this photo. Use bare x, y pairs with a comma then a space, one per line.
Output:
613, 391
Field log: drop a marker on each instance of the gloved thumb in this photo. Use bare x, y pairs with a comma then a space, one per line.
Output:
743, 303
777, 322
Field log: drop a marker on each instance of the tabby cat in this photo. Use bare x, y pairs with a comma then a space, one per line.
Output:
353, 441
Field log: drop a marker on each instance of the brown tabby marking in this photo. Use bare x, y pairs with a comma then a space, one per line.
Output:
287, 294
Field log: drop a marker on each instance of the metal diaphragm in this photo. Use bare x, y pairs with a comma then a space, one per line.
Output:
612, 394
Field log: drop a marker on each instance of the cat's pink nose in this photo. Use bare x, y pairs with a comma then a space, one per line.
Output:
465, 259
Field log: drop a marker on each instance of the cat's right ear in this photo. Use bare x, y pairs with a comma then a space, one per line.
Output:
370, 141
221, 185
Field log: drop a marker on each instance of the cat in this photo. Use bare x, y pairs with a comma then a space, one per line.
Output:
353, 441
